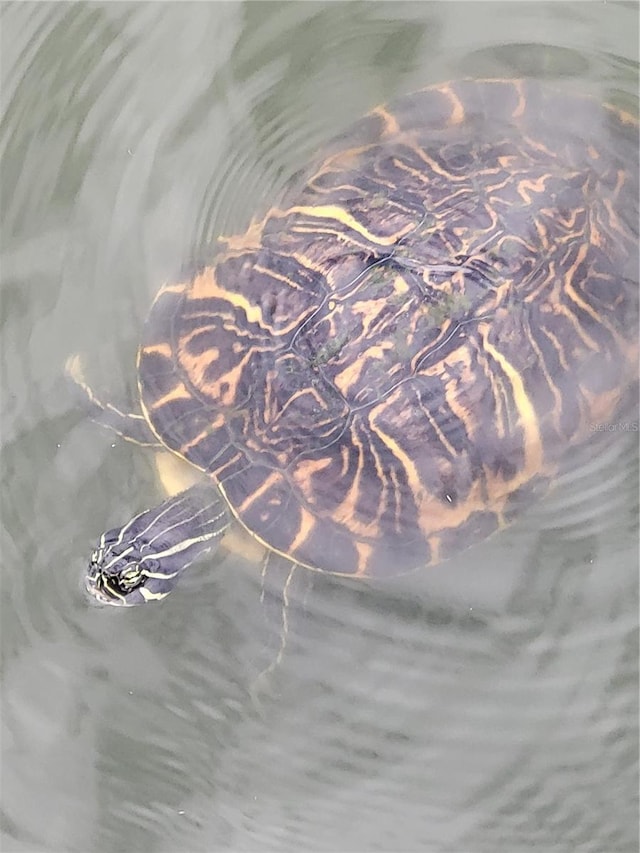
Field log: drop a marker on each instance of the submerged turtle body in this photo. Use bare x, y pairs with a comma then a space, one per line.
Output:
393, 362
389, 365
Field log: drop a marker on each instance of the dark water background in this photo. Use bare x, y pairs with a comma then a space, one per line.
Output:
490, 705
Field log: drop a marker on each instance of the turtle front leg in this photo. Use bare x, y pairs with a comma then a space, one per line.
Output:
285, 588
131, 426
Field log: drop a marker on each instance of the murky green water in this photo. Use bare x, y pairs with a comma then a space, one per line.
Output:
489, 706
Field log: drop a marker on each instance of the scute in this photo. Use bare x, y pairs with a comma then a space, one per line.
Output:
394, 361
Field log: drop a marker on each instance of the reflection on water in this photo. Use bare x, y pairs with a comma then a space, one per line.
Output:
491, 704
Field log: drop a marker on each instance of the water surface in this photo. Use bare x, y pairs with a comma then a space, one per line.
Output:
488, 705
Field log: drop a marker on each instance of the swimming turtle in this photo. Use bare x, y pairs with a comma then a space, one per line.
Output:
392, 363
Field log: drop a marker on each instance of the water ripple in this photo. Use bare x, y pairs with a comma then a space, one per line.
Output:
491, 704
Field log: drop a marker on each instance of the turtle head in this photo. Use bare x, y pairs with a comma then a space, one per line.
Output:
126, 573
143, 560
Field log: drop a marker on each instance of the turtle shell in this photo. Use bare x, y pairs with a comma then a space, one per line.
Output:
391, 364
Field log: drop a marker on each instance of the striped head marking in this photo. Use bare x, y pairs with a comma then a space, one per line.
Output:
142, 560
121, 574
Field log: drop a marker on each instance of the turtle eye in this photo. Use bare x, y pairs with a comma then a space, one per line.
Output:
130, 577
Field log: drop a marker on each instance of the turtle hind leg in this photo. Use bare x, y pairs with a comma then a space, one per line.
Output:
132, 426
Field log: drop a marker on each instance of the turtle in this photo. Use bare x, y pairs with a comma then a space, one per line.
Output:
391, 364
